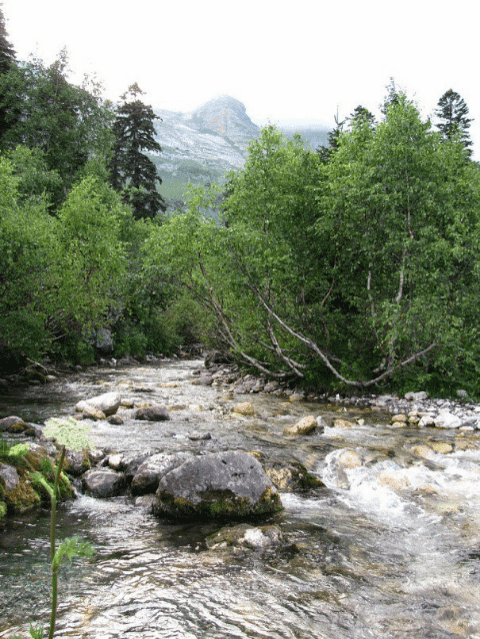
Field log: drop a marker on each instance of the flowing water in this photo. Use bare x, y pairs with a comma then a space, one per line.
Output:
389, 548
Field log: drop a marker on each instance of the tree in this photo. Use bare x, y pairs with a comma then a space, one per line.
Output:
7, 59
326, 152
360, 114
348, 272
132, 172
401, 214
452, 112
69, 124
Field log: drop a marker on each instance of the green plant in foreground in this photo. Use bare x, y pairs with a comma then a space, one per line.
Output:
68, 433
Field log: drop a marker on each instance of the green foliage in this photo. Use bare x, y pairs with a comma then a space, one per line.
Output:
68, 432
91, 256
37, 181
44, 111
357, 269
132, 171
452, 112
18, 451
70, 548
26, 256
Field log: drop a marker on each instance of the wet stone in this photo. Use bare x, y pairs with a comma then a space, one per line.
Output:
245, 408
231, 485
103, 483
156, 413
303, 427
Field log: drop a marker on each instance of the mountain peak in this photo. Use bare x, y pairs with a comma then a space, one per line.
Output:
225, 116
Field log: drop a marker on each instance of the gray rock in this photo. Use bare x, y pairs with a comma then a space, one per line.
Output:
203, 380
417, 397
152, 470
9, 478
88, 410
156, 413
13, 424
104, 341
103, 482
108, 403
445, 419
230, 484
76, 462
131, 462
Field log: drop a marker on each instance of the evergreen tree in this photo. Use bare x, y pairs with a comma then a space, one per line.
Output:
326, 152
361, 114
393, 97
132, 172
452, 112
7, 53
7, 58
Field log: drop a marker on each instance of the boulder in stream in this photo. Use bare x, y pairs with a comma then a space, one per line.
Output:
156, 413
305, 426
108, 404
151, 471
226, 485
103, 482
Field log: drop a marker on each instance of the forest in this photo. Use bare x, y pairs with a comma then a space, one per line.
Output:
352, 267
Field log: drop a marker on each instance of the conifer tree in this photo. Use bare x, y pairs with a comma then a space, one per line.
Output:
7, 53
132, 172
452, 112
361, 114
7, 58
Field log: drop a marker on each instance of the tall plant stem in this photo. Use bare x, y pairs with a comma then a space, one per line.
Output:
53, 523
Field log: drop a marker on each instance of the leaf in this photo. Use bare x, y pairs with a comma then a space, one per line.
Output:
68, 432
70, 548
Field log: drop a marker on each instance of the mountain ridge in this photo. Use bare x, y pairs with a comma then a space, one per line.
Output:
202, 145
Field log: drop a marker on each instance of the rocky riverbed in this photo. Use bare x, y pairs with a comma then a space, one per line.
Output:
377, 536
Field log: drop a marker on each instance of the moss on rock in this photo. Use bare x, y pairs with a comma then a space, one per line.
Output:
22, 497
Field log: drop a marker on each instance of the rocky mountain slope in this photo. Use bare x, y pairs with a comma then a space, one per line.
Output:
203, 145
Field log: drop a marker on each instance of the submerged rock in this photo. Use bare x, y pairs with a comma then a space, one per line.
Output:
156, 413
289, 478
246, 536
221, 485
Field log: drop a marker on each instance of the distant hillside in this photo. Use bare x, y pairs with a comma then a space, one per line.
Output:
201, 146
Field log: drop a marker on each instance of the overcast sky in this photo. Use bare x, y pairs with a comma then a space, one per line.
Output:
295, 61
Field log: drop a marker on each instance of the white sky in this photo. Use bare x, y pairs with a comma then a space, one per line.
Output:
292, 61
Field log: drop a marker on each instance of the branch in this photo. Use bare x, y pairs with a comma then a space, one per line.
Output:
313, 346
294, 366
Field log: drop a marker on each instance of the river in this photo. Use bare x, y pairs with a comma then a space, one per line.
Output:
393, 552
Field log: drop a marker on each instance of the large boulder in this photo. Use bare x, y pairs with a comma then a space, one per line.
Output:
108, 403
149, 474
230, 485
